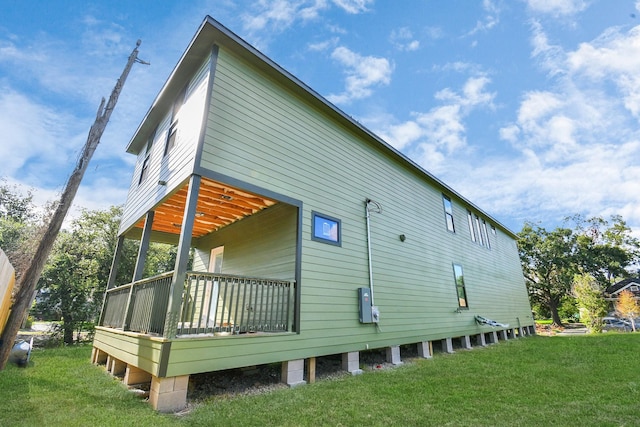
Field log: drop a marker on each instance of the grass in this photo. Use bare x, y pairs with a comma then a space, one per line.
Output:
584, 380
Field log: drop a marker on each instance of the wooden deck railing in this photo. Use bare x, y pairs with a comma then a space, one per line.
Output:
211, 304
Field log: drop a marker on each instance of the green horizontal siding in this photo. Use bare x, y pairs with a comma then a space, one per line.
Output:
135, 350
262, 133
178, 164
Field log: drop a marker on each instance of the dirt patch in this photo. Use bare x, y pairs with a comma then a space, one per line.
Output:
266, 378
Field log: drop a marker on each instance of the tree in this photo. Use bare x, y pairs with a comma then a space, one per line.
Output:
605, 249
69, 281
593, 306
19, 225
548, 265
627, 307
73, 281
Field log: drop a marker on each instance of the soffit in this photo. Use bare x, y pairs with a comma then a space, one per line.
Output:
218, 206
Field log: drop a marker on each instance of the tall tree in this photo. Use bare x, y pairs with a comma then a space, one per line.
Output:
606, 248
548, 263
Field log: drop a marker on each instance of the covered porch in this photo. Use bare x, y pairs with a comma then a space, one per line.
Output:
232, 295
239, 291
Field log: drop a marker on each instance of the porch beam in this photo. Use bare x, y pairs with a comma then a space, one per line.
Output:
182, 259
144, 247
115, 263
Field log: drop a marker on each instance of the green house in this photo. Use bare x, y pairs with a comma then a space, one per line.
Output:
310, 236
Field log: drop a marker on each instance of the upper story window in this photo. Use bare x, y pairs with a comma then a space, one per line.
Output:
485, 233
472, 229
147, 157
173, 130
448, 213
460, 288
171, 138
478, 230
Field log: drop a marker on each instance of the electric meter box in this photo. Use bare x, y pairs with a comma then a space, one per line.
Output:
364, 305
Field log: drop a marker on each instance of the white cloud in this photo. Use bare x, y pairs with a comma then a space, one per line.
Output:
402, 135
276, 13
353, 6
363, 73
490, 20
557, 8
273, 16
615, 57
432, 136
578, 140
402, 39
549, 56
324, 45
35, 136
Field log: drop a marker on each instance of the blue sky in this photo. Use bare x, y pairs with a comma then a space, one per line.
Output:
529, 108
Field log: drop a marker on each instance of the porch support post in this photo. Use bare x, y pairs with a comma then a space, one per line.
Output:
112, 274
293, 372
169, 394
144, 247
351, 362
425, 349
393, 355
447, 345
115, 263
465, 342
182, 258
480, 340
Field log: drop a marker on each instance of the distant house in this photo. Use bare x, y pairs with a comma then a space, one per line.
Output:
631, 284
310, 236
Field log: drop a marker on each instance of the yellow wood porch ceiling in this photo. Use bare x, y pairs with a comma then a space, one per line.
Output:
218, 205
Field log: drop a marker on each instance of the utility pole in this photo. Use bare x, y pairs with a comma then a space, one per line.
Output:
30, 278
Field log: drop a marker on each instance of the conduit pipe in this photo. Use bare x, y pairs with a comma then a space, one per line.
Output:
371, 206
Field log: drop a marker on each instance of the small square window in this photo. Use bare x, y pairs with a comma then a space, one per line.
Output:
325, 229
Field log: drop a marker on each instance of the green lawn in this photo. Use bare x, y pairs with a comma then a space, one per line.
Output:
539, 381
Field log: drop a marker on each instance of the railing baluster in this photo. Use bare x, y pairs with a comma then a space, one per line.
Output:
224, 324
243, 309
193, 325
268, 316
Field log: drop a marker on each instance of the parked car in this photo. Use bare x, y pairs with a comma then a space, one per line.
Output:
615, 324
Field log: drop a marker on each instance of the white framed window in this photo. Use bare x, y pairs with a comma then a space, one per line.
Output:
448, 213
461, 291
